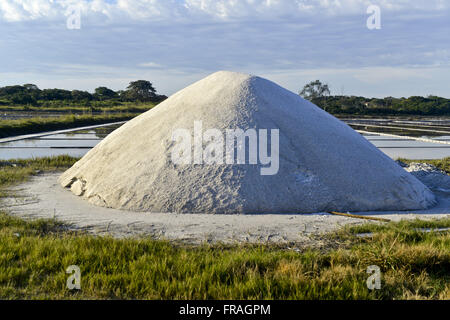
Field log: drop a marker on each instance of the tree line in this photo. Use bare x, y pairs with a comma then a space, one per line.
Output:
30, 94
142, 91
319, 94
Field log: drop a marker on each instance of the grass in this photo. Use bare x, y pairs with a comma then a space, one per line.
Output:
35, 254
19, 170
127, 107
34, 125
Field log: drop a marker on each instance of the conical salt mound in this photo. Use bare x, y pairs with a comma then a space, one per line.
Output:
323, 164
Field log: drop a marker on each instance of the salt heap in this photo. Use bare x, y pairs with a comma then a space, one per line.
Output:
324, 165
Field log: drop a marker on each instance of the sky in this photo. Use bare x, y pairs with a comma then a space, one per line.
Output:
173, 43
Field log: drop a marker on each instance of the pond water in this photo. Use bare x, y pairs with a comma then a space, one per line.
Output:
410, 149
75, 144
78, 143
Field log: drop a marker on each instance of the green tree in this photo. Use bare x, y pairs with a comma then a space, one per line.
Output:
104, 93
30, 86
56, 94
141, 90
11, 90
315, 90
23, 99
78, 95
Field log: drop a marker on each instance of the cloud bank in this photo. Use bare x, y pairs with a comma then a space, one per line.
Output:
175, 42
22, 10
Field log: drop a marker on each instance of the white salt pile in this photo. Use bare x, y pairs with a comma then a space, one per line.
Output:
429, 175
323, 164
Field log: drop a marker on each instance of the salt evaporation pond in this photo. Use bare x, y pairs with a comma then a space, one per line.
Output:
75, 144
410, 149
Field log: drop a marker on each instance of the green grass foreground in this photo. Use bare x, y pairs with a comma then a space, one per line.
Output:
35, 254
10, 128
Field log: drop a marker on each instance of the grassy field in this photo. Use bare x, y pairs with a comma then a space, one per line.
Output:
34, 125
35, 254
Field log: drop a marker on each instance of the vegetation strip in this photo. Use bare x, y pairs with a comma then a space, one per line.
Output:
9, 128
29, 95
351, 105
401, 128
63, 109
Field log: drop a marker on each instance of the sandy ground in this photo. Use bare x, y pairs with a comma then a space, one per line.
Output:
43, 197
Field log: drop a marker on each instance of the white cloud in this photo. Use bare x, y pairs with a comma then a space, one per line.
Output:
11, 11
152, 65
154, 10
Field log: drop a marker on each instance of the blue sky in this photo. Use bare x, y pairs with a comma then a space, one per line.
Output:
176, 42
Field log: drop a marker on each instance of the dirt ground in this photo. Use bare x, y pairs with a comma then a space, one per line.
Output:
43, 197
